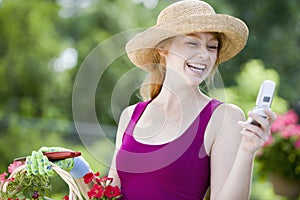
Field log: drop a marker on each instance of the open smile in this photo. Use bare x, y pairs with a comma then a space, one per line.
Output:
196, 67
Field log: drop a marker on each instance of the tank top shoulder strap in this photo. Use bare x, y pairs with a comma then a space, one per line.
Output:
205, 116
214, 104
207, 112
137, 112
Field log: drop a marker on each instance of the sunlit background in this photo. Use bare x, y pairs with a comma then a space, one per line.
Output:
43, 44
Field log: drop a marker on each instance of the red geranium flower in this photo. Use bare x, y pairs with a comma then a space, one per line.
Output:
111, 191
97, 191
102, 188
103, 179
89, 177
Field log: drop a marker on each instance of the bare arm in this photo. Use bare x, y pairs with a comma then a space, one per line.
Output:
233, 153
123, 122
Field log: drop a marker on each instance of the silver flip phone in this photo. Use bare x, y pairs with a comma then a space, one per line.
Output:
264, 99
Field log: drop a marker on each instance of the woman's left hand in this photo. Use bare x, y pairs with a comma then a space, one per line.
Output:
254, 137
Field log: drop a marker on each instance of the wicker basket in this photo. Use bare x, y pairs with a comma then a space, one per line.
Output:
74, 192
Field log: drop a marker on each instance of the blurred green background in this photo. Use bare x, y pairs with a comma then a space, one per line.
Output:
44, 42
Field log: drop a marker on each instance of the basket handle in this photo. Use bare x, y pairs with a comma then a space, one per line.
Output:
74, 192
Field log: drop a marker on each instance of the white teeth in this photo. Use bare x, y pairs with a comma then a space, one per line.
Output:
197, 66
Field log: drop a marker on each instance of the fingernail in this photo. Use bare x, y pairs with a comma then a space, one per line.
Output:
240, 123
250, 114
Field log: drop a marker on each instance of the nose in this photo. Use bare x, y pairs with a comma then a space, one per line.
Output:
202, 51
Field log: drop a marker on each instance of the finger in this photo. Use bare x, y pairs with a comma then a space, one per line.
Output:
52, 149
28, 165
69, 164
255, 140
44, 149
66, 164
47, 166
253, 129
259, 119
49, 149
249, 127
248, 134
34, 163
41, 163
44, 165
271, 115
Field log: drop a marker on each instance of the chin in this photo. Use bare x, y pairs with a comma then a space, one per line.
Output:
195, 81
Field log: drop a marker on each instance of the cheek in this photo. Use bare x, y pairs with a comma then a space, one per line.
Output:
176, 57
213, 57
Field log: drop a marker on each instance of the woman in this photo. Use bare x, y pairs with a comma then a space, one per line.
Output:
179, 141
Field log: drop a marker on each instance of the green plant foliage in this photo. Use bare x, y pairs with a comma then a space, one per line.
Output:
25, 187
248, 82
286, 154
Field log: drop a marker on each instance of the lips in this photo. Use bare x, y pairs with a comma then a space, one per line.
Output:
196, 67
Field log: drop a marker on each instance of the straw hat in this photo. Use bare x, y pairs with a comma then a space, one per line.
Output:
184, 17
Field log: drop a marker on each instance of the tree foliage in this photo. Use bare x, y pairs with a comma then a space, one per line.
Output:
252, 75
274, 38
36, 98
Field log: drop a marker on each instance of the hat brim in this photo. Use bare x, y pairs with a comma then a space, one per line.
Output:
141, 48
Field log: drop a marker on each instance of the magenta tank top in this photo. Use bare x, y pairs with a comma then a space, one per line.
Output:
176, 170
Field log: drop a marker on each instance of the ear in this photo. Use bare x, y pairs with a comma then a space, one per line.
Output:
162, 52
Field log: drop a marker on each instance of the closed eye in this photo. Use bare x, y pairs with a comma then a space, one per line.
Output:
192, 43
212, 47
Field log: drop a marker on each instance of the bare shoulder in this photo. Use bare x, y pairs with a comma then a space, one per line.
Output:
223, 124
125, 116
123, 123
227, 111
226, 117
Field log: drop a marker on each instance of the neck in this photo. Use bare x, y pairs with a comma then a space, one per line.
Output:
176, 88
172, 96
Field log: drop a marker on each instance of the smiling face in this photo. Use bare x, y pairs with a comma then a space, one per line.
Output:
192, 56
